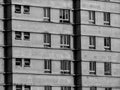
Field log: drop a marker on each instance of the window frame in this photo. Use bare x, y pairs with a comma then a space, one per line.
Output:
27, 62
47, 40
18, 35
107, 0
64, 16
47, 66
106, 18
65, 88
92, 42
108, 88
48, 88
65, 67
27, 87
93, 88
26, 9
26, 35
65, 41
107, 43
47, 14
18, 62
92, 67
107, 68
18, 87
17, 8
92, 17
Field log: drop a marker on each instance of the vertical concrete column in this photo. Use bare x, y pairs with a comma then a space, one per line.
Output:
77, 45
8, 44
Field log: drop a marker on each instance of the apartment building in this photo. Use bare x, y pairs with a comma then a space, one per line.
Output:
59, 44
38, 45
100, 41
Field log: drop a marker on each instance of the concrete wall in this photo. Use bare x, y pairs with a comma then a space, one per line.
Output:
100, 6
99, 54
53, 3
37, 40
36, 13
42, 88
115, 18
1, 47
34, 48
41, 27
43, 80
37, 67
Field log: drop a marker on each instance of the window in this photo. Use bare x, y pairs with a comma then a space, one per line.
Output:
108, 88
65, 41
65, 67
26, 36
107, 68
93, 88
18, 62
26, 62
26, 9
106, 18
47, 40
27, 87
66, 88
46, 14
92, 17
107, 43
17, 8
47, 66
48, 88
107, 0
18, 35
92, 67
92, 42
65, 16
18, 87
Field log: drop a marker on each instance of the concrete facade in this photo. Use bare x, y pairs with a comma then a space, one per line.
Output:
99, 54
22, 58
34, 48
